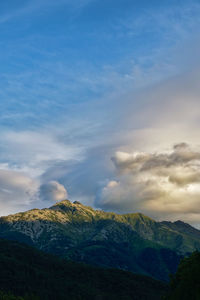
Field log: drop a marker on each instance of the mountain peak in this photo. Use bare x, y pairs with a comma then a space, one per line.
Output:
64, 202
77, 202
63, 205
73, 208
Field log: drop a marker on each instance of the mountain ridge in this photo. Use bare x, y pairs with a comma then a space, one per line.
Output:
131, 242
66, 212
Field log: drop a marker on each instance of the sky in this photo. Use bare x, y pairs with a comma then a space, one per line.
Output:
99, 102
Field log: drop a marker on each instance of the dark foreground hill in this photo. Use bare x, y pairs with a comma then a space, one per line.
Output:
185, 284
130, 242
27, 271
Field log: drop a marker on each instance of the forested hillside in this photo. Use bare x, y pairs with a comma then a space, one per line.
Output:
27, 272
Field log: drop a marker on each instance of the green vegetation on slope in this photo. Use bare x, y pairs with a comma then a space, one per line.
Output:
27, 271
131, 242
157, 263
10, 296
79, 222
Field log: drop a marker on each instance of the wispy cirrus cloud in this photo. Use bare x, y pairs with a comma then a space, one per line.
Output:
33, 151
31, 7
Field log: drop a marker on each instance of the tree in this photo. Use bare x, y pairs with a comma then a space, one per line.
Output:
185, 284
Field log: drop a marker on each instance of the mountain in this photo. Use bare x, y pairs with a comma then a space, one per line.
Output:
35, 275
131, 242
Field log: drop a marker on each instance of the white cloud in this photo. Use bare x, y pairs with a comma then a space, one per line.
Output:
17, 191
25, 155
164, 185
52, 191
35, 151
154, 178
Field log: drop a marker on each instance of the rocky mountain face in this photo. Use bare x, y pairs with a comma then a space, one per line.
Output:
131, 241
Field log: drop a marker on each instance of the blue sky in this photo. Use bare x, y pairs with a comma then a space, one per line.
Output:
55, 56
82, 80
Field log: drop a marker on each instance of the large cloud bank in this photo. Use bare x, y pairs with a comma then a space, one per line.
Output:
160, 184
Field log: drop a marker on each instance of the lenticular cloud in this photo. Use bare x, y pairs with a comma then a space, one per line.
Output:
53, 191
